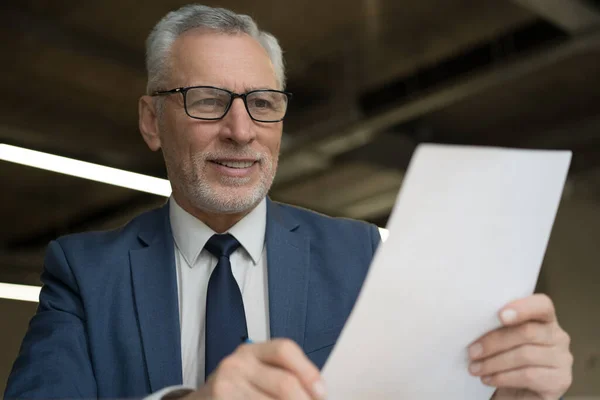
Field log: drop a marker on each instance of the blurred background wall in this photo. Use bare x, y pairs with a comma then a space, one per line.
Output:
371, 80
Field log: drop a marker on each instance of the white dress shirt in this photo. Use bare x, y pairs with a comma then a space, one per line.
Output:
194, 265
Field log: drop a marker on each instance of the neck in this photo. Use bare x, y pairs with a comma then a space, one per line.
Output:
218, 222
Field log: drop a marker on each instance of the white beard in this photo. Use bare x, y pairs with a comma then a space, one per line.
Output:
228, 197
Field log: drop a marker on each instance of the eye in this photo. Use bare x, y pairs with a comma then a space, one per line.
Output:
208, 102
261, 103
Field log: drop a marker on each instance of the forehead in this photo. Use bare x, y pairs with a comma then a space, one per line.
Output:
232, 61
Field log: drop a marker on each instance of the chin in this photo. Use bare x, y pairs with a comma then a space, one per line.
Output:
229, 200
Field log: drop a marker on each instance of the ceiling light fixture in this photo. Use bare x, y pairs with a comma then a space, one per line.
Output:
19, 292
85, 170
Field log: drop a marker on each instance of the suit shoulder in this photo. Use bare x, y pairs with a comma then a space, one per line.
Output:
323, 224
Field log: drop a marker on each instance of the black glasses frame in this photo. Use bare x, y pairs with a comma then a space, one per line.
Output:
233, 96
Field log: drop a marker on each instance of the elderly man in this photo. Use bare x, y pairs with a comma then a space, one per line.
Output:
222, 293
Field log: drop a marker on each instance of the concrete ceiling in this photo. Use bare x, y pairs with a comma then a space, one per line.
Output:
372, 79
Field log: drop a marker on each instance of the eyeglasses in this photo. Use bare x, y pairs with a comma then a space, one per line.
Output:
212, 103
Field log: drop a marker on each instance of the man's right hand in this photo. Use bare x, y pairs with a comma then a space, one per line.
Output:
277, 369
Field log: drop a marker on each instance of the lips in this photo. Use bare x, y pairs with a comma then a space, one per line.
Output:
234, 164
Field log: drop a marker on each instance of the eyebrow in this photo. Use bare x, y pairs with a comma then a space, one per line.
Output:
251, 88
246, 88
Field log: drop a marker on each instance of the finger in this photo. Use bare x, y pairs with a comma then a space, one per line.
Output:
229, 382
278, 383
506, 338
536, 379
537, 307
511, 394
285, 353
519, 357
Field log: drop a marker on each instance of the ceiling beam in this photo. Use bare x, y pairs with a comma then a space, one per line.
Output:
573, 16
320, 151
390, 150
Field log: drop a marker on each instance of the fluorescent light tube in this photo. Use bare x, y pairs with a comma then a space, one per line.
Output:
19, 292
86, 170
384, 233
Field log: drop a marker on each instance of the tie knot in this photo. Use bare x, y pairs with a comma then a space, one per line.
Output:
222, 245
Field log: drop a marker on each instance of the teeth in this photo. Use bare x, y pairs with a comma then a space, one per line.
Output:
236, 164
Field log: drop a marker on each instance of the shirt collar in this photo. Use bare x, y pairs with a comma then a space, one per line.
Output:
191, 234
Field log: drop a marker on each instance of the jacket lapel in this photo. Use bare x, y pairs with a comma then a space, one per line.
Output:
155, 292
288, 255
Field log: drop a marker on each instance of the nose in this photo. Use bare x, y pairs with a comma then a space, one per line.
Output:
237, 124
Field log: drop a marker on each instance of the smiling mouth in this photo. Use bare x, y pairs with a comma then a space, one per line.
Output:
235, 164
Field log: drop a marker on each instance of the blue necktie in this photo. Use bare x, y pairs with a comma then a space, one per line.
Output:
225, 317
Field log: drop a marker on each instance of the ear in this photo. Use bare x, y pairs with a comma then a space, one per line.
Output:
148, 121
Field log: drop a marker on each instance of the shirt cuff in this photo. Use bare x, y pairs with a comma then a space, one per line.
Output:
170, 392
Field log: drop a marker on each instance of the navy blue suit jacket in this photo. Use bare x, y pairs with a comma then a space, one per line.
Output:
108, 319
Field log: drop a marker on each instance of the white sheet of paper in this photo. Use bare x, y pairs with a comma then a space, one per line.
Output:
468, 235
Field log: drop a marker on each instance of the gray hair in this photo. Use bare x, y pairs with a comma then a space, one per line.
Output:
175, 23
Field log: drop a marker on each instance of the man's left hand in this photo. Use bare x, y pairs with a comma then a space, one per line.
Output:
527, 358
